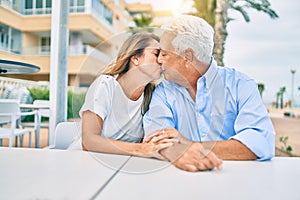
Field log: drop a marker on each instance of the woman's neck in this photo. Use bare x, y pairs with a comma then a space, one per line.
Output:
132, 86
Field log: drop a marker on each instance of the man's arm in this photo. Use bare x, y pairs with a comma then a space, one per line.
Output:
230, 150
225, 149
253, 126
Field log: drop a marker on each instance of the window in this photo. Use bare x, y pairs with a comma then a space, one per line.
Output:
4, 38
48, 4
77, 6
45, 45
39, 4
10, 39
101, 10
38, 7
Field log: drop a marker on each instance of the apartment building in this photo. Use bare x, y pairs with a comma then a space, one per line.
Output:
25, 35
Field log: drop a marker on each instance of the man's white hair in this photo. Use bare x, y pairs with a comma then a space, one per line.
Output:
194, 33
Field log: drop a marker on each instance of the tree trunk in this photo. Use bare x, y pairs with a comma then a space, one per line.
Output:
220, 30
281, 100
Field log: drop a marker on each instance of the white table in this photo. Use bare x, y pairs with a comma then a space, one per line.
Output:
54, 174
239, 180
37, 108
14, 67
59, 174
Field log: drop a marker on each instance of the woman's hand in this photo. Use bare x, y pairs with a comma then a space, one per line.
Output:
167, 134
151, 149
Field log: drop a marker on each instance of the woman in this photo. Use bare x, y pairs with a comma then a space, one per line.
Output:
115, 102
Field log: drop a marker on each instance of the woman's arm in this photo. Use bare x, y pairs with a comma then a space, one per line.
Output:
92, 140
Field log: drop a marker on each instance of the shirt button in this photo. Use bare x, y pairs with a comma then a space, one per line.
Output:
203, 135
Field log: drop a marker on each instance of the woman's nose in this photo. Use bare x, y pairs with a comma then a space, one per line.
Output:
159, 59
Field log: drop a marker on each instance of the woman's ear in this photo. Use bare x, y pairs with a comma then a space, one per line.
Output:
135, 60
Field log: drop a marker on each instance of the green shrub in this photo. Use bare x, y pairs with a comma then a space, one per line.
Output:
75, 101
39, 93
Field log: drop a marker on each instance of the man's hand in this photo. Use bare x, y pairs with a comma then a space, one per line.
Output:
192, 157
184, 154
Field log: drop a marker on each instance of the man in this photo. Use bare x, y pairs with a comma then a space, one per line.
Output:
218, 110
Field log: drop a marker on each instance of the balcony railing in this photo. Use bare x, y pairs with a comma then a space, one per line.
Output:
73, 50
37, 11
47, 11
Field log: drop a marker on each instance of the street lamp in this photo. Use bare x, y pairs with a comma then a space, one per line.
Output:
293, 71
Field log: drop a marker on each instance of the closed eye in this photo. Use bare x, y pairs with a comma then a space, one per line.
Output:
163, 53
156, 53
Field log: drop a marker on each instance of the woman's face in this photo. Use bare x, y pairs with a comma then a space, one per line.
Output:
148, 64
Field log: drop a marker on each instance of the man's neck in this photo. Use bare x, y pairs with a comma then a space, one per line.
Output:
194, 75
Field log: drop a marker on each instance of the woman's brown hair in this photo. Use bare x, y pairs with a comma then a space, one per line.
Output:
133, 46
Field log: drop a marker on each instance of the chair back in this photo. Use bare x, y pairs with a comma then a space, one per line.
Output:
65, 134
9, 106
44, 112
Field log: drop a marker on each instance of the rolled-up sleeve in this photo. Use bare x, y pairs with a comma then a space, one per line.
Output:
253, 125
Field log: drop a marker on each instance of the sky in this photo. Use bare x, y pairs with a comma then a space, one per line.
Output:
265, 49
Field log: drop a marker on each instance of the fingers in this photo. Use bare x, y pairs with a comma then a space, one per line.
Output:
166, 140
214, 161
162, 146
196, 165
162, 134
153, 150
187, 167
155, 134
196, 158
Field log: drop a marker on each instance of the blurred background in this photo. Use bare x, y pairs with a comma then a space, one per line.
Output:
257, 37
262, 36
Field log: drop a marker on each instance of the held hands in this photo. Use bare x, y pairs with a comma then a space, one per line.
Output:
156, 142
151, 150
152, 146
184, 154
194, 158
167, 134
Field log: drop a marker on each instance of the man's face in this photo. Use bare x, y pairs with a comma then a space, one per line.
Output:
171, 63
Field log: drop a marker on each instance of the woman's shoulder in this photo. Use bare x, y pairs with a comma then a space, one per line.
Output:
105, 79
102, 83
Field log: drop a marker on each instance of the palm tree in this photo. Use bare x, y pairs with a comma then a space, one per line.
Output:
277, 98
281, 91
142, 23
218, 8
261, 88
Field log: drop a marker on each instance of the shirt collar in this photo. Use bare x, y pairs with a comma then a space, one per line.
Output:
211, 73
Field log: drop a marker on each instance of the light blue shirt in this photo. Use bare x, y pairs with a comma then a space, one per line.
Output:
227, 106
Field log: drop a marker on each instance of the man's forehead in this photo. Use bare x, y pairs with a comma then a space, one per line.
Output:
166, 40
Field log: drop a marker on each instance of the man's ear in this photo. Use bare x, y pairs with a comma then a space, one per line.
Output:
189, 55
135, 60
